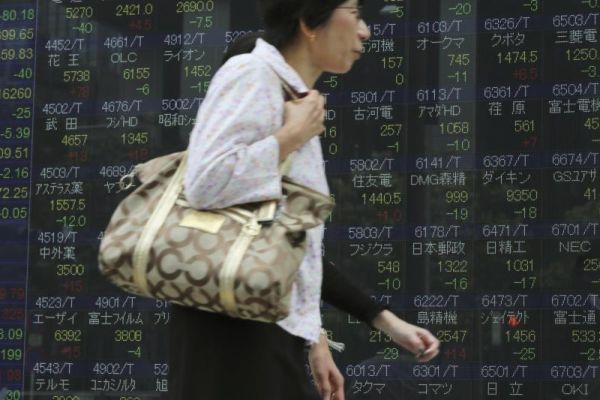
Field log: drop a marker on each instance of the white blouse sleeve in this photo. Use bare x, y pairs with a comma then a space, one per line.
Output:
233, 155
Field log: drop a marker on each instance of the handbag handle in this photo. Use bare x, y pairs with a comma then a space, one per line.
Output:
286, 164
141, 252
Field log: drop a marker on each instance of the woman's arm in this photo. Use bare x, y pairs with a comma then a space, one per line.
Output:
328, 378
345, 295
342, 293
243, 131
416, 340
303, 118
233, 155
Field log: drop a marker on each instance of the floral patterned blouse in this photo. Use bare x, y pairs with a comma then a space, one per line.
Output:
234, 159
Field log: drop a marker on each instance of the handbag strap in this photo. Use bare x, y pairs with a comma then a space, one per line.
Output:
285, 165
266, 212
141, 252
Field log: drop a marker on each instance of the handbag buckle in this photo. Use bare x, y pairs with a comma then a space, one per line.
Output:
251, 228
266, 212
127, 181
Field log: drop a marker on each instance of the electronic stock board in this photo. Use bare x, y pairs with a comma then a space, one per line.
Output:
462, 151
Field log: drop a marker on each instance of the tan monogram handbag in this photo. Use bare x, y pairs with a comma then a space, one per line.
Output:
241, 261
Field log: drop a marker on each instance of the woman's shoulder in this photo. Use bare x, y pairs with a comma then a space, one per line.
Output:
245, 66
244, 77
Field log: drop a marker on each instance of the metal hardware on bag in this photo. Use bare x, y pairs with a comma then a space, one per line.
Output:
279, 208
266, 213
127, 181
181, 202
234, 214
203, 220
251, 228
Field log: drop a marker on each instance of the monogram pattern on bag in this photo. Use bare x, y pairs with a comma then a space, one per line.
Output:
184, 263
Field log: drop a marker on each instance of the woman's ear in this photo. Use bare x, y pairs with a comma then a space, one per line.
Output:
307, 32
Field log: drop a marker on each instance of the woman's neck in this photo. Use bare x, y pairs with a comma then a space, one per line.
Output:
298, 56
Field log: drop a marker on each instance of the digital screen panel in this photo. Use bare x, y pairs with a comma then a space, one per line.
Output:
462, 151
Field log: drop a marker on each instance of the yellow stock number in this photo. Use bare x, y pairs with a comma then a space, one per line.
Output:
128, 335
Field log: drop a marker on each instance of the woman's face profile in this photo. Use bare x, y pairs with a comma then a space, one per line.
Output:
339, 42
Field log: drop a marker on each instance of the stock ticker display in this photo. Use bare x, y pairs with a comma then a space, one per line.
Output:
463, 152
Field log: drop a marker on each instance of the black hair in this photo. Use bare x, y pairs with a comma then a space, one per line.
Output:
241, 45
281, 18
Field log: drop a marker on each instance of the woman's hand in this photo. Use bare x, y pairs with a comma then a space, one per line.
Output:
303, 119
416, 340
328, 378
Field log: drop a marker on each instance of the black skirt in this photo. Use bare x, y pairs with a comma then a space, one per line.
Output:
214, 357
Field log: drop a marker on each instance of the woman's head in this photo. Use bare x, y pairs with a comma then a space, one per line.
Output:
332, 29
242, 45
